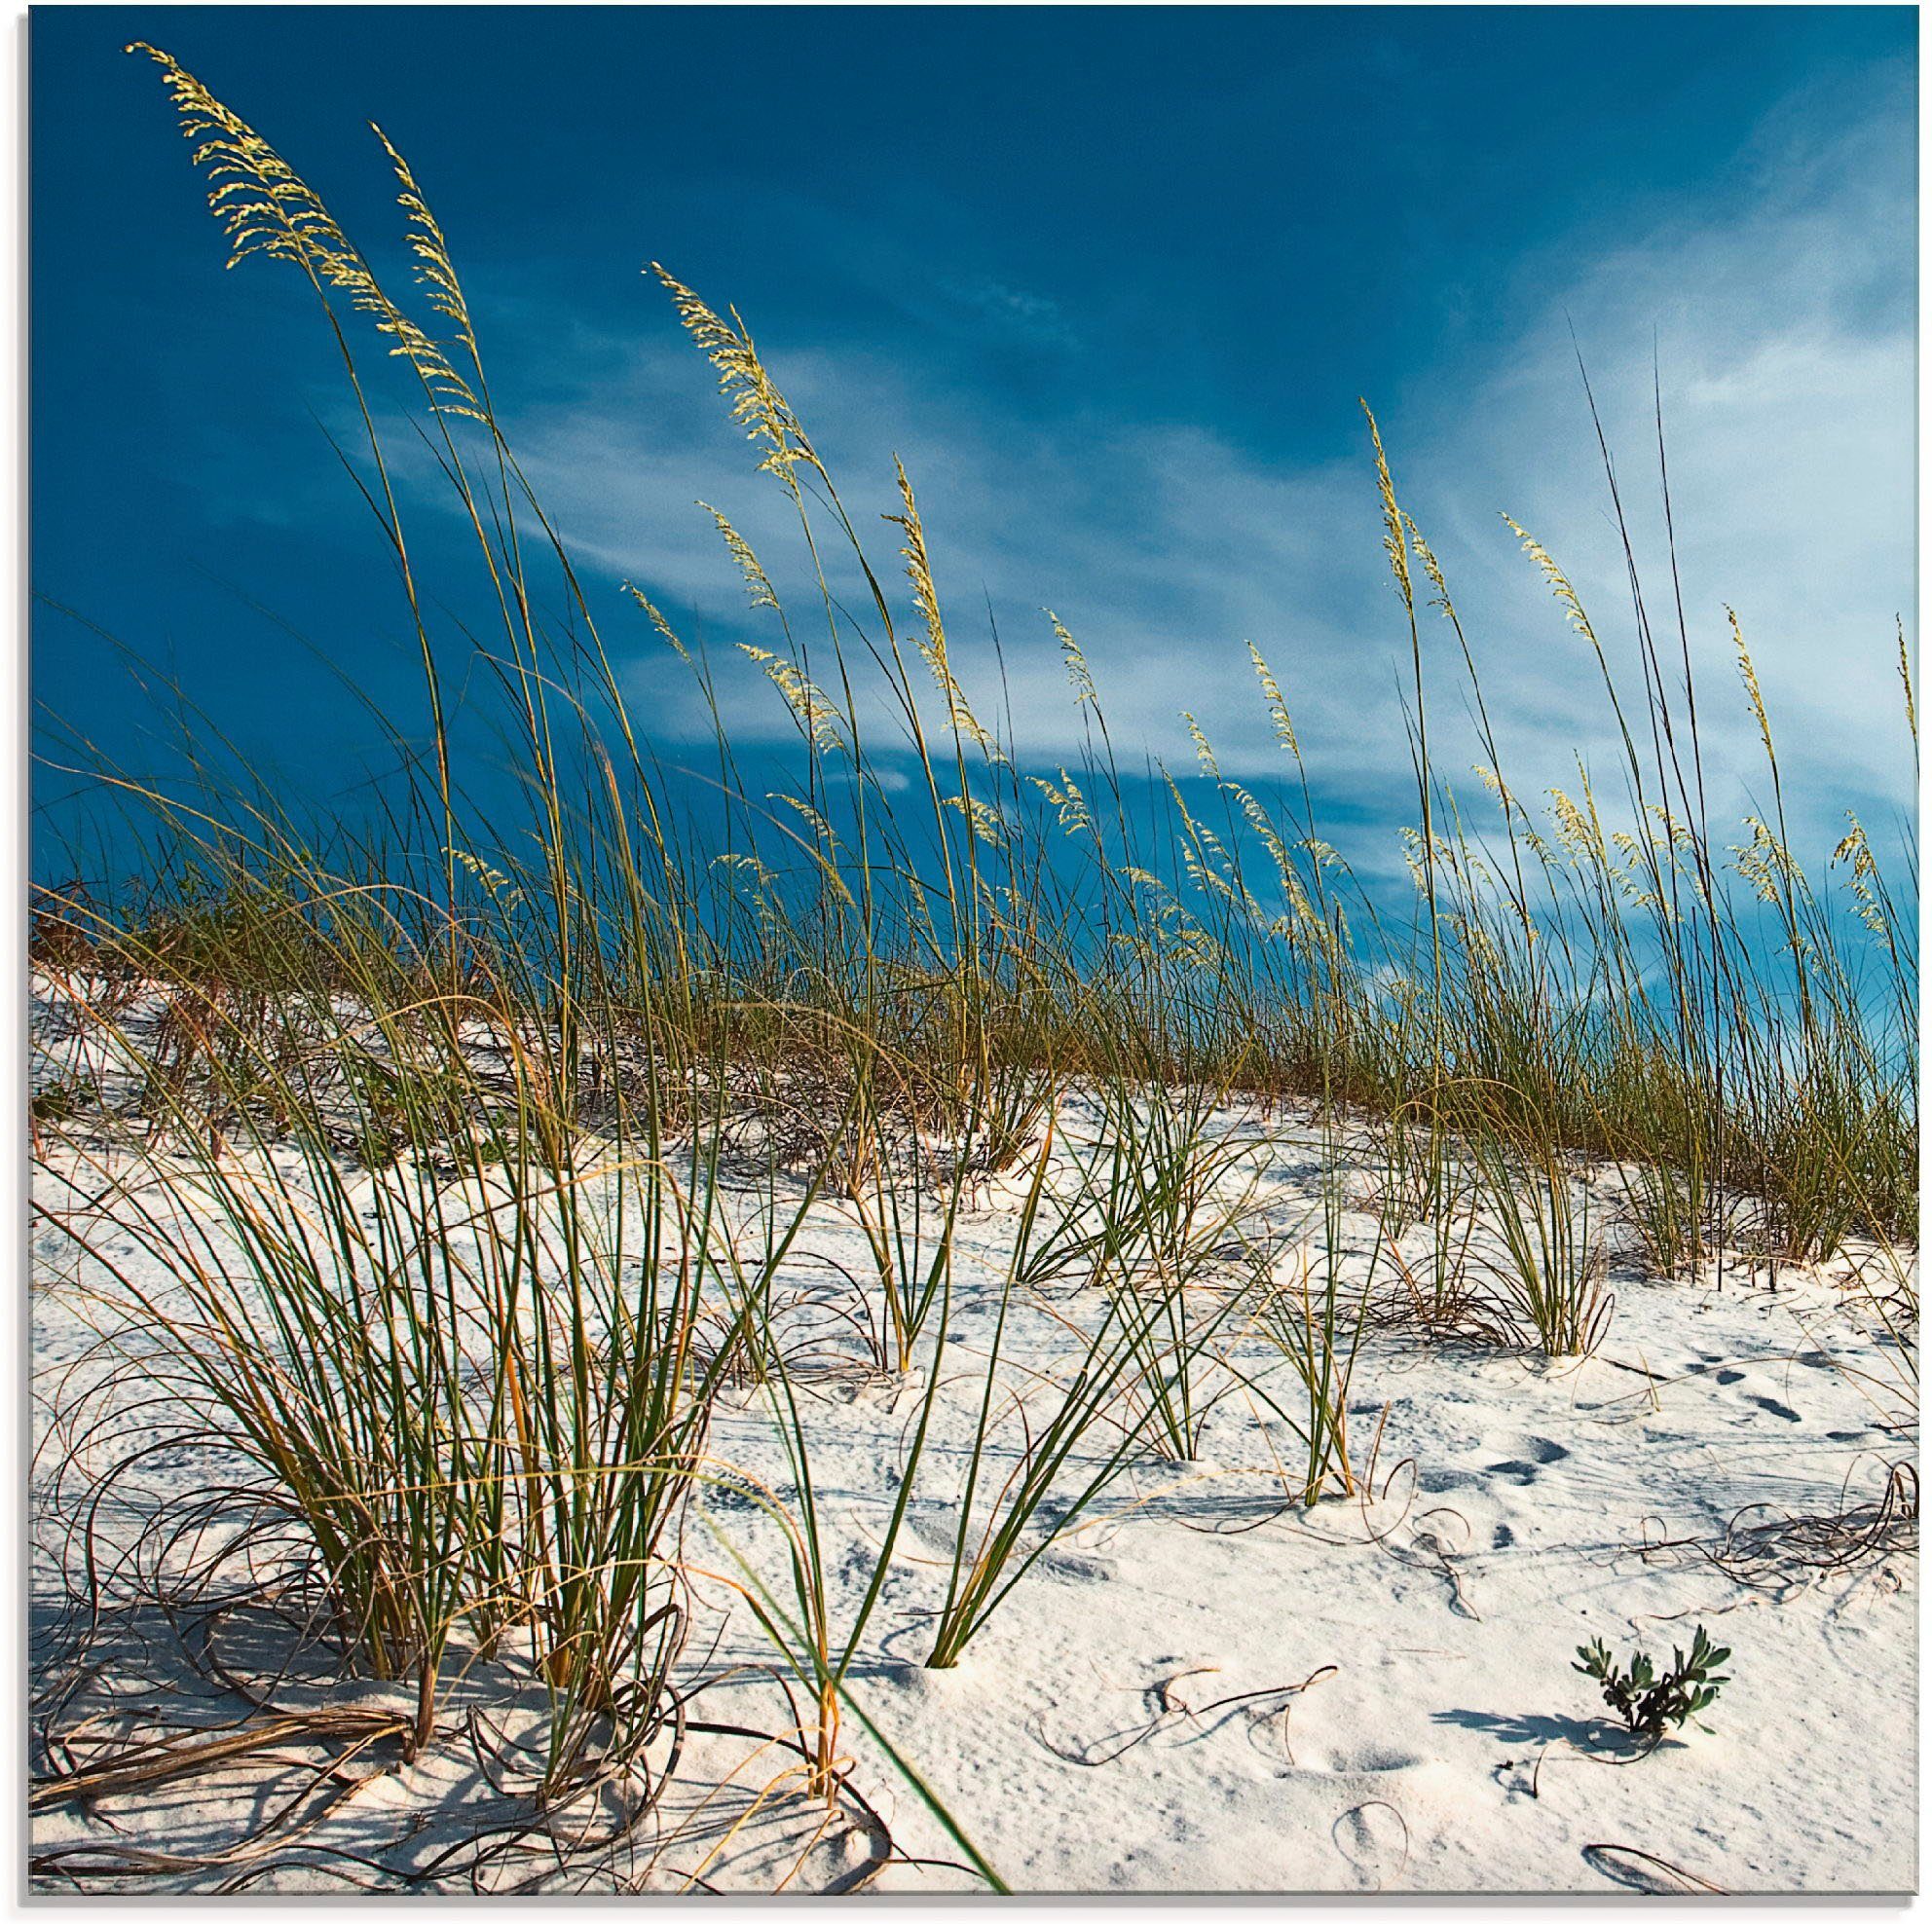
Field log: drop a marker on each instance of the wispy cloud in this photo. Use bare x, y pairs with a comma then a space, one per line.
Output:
1014, 311
1783, 329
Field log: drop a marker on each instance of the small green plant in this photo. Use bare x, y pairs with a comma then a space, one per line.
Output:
1650, 1705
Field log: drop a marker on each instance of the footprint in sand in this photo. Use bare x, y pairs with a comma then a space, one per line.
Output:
1319, 1747
1518, 1473
1072, 1566
1538, 1453
1367, 1759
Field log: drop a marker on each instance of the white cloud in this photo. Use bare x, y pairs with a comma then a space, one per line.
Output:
1783, 328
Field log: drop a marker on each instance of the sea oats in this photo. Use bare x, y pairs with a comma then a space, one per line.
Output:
988, 824
1431, 568
758, 583
817, 715
1578, 828
1069, 804
1856, 848
1203, 752
1747, 671
1077, 675
726, 1072
1394, 543
435, 271
756, 404
1278, 707
265, 207
932, 641
1904, 679
658, 620
1559, 583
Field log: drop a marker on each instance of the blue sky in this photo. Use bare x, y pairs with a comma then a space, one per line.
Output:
1109, 280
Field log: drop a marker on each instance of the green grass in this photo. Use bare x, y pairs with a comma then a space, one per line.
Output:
447, 1116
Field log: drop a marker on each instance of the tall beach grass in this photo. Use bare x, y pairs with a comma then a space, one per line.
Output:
475, 1146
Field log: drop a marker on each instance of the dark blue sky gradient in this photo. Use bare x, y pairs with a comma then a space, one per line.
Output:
1224, 221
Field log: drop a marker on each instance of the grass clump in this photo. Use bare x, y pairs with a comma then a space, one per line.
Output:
476, 1142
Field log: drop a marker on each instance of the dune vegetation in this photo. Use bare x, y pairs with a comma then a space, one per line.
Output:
441, 1174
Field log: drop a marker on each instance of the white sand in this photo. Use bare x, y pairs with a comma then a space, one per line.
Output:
1445, 1744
